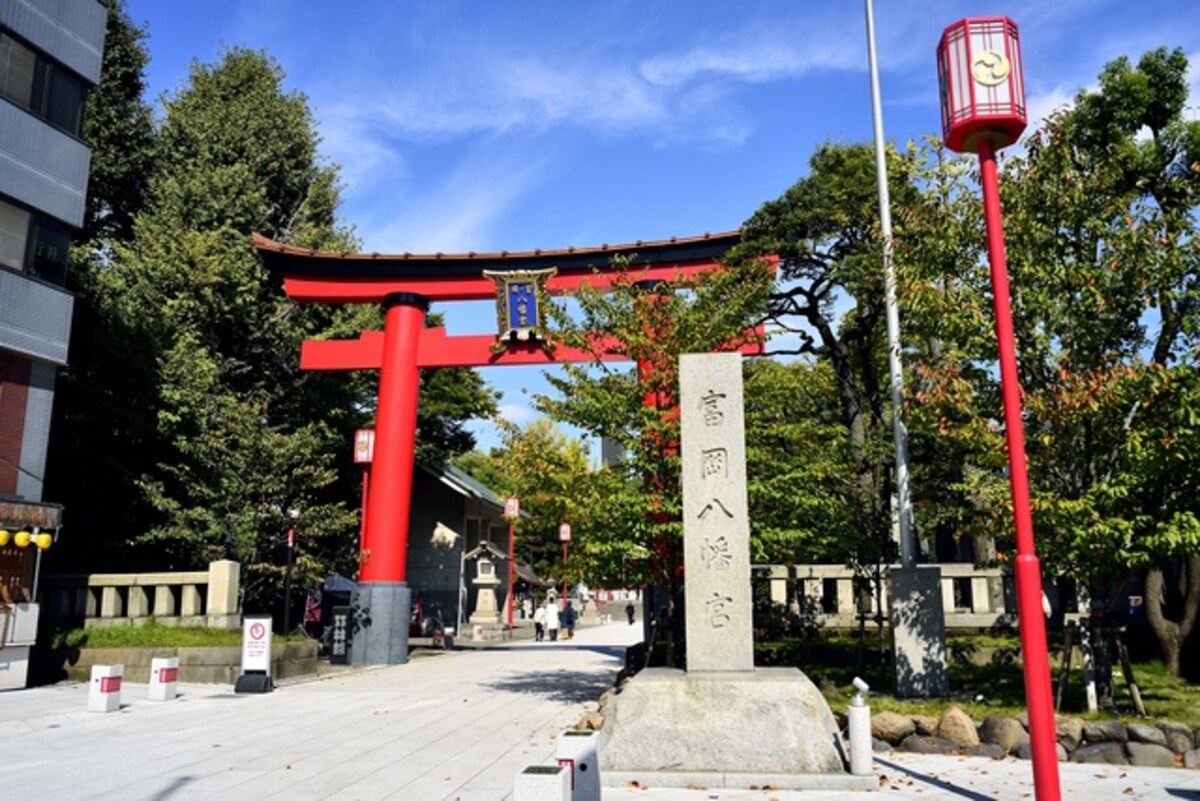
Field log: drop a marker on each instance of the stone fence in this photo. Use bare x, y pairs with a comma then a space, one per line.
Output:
198, 598
972, 597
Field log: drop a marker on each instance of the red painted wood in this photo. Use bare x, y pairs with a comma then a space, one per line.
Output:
384, 555
334, 289
437, 349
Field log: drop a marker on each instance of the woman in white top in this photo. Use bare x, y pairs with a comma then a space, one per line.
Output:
552, 620
539, 623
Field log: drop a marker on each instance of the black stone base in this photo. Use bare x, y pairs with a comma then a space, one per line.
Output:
256, 682
379, 623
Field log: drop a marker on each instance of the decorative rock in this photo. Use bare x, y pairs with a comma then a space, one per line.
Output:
891, 727
989, 750
958, 728
1069, 731
1105, 731
591, 722
1004, 732
923, 744
1148, 755
926, 725
1024, 750
1191, 759
880, 746
1101, 753
1179, 736
1146, 734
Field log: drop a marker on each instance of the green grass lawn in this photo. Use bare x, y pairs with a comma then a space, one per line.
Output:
153, 635
996, 688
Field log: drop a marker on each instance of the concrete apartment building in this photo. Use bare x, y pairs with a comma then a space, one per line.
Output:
50, 53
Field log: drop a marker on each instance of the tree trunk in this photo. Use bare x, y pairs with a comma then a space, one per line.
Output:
1171, 634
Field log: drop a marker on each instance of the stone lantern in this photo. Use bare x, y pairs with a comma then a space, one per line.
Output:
981, 83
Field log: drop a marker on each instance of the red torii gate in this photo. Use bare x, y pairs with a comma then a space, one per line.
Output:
405, 285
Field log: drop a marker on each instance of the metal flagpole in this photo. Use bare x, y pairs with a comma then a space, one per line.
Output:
908, 551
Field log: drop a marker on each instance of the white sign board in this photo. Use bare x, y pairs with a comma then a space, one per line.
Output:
256, 644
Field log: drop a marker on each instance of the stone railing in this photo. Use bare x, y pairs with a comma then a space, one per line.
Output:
198, 598
972, 597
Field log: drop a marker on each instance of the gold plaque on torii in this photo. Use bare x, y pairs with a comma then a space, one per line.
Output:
521, 302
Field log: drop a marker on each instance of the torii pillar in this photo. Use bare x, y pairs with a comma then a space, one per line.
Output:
382, 600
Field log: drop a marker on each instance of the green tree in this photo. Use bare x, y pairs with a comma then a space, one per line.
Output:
830, 297
118, 126
549, 473
638, 511
800, 467
209, 419
240, 435
91, 459
1103, 263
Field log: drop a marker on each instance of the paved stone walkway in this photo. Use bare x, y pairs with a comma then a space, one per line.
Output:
453, 725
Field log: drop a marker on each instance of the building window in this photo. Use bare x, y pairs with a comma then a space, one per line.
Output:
51, 242
14, 233
34, 245
41, 85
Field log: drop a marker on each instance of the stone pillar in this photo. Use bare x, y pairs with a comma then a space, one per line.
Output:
110, 602
138, 604
918, 631
164, 601
224, 578
189, 605
716, 522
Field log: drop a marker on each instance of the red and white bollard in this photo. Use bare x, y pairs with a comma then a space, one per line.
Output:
104, 693
164, 672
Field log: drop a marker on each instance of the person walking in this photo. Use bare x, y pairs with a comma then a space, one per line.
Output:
629, 610
551, 609
539, 623
568, 621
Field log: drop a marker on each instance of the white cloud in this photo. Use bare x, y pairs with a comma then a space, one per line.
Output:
516, 414
1192, 110
756, 54
1041, 106
459, 212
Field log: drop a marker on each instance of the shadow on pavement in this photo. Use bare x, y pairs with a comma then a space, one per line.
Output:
561, 685
941, 784
614, 651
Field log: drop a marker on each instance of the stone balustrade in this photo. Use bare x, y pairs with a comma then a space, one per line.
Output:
973, 597
195, 598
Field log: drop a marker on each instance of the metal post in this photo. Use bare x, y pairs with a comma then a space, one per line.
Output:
1038, 696
287, 582
512, 558
908, 551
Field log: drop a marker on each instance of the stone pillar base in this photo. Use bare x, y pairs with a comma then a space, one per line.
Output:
379, 620
918, 631
769, 726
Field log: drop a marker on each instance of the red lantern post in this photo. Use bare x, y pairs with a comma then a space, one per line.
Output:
983, 109
564, 536
512, 511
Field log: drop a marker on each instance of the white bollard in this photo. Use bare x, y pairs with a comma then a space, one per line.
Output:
577, 751
164, 672
542, 783
858, 721
104, 693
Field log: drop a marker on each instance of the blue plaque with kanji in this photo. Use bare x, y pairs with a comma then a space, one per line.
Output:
520, 305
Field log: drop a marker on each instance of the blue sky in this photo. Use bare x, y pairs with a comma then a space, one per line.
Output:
518, 125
